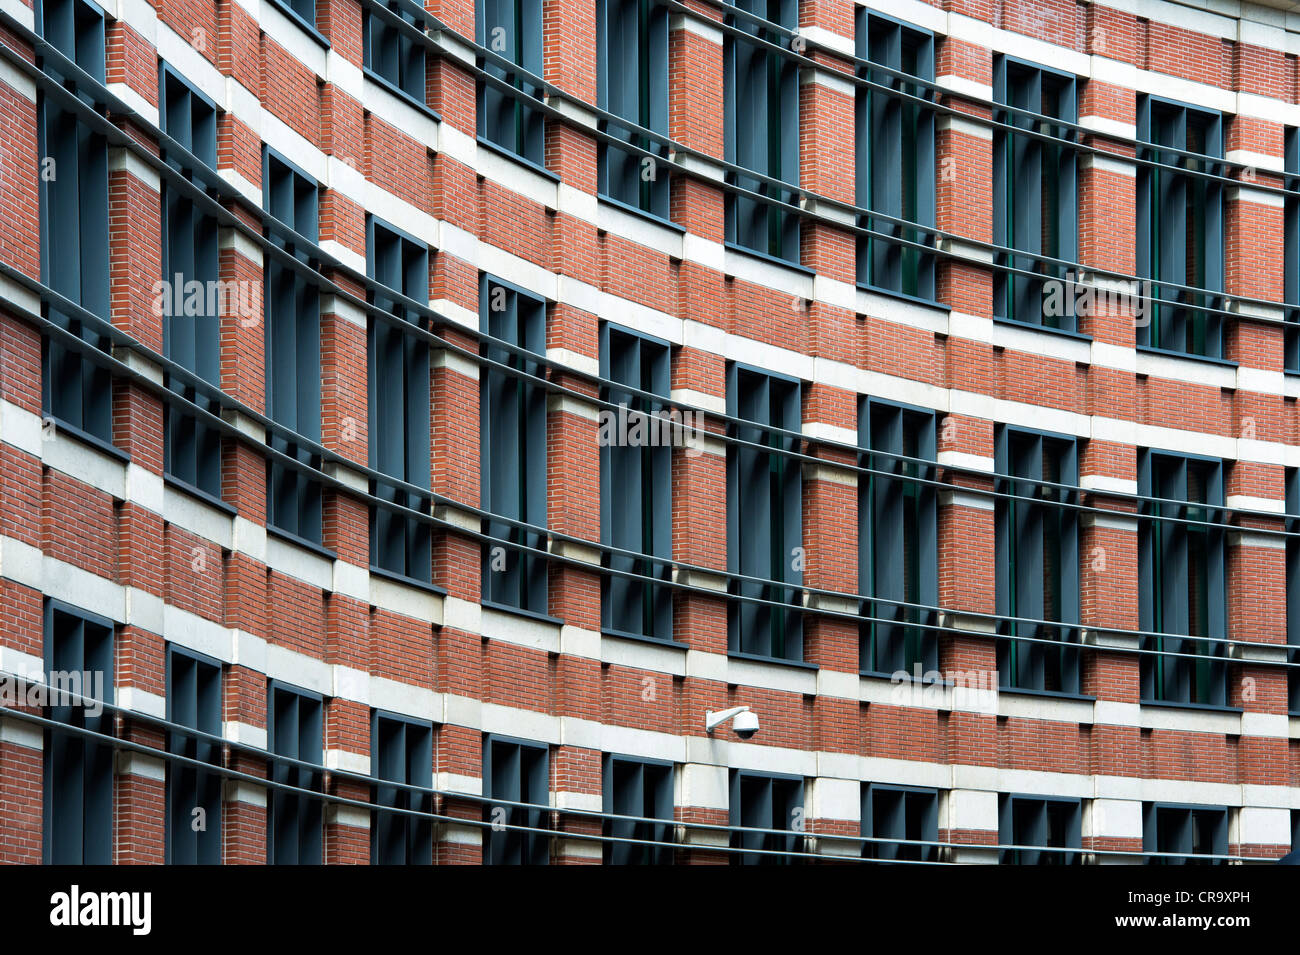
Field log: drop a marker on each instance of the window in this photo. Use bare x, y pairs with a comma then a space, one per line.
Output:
292, 350
898, 561
903, 813
1180, 225
401, 752
193, 701
895, 156
78, 769
766, 802
74, 221
644, 789
1291, 251
636, 485
293, 829
303, 11
1183, 579
392, 54
764, 514
1052, 823
1034, 204
513, 448
632, 40
193, 301
1037, 558
399, 403
515, 771
1186, 830
761, 117
1292, 525
512, 29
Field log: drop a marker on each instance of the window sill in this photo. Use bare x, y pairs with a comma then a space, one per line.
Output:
186, 487
778, 661
410, 99
642, 638
768, 259
85, 437
521, 612
426, 586
1046, 329
1186, 356
295, 17
903, 297
290, 537
1204, 707
510, 154
643, 214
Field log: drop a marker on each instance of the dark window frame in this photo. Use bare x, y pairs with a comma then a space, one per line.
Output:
188, 787
764, 816
399, 397
513, 447
653, 800
1165, 567
761, 130
393, 59
1041, 815
511, 846
637, 91
764, 484
894, 136
905, 808
1193, 827
1035, 188
636, 489
887, 648
1027, 533
285, 809
510, 122
1291, 523
397, 838
1291, 250
1165, 234
295, 504
77, 391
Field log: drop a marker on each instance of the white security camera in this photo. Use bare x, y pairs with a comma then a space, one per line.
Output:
744, 722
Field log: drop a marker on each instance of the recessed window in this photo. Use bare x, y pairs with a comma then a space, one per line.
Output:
772, 803
1037, 559
512, 30
513, 447
1178, 834
898, 564
1293, 588
293, 369
899, 821
895, 156
1180, 225
193, 300
765, 514
516, 782
1291, 250
761, 122
1183, 579
394, 55
1027, 822
399, 404
77, 391
632, 44
401, 752
636, 485
193, 794
293, 825
1035, 208
78, 769
643, 790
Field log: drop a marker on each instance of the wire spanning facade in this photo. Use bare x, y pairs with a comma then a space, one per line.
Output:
416, 419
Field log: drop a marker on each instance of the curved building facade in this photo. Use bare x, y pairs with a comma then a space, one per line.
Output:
422, 424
